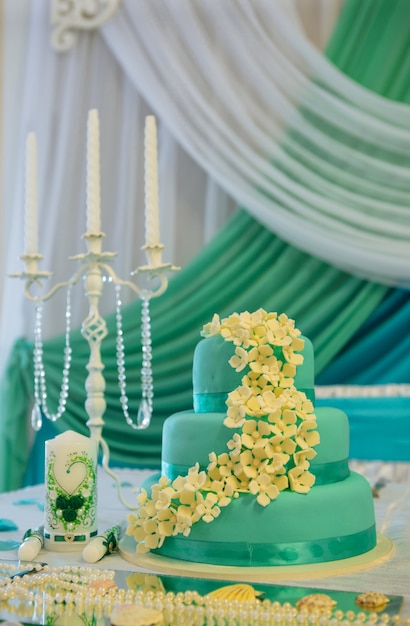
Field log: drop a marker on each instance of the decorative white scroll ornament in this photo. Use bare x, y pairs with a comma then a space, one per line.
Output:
69, 16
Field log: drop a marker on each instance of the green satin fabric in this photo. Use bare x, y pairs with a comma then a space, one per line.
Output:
270, 554
245, 267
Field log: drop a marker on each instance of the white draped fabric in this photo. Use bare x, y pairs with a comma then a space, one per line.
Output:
231, 82
225, 81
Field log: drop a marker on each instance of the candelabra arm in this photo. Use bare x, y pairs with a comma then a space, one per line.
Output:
154, 273
33, 276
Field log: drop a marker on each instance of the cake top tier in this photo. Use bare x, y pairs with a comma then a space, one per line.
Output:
220, 361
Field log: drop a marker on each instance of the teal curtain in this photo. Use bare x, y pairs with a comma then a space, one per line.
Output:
245, 267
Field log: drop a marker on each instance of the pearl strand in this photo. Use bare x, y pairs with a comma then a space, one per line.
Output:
66, 589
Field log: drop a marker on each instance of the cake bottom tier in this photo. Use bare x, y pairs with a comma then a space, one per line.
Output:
331, 522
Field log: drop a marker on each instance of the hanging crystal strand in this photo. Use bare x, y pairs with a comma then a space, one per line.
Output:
145, 409
40, 388
147, 385
36, 417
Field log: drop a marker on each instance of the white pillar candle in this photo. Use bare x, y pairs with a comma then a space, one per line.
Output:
71, 492
93, 173
151, 182
31, 225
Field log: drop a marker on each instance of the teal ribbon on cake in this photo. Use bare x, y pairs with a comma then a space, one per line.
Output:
216, 402
326, 473
241, 554
210, 402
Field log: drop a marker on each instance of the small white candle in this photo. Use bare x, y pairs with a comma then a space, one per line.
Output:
93, 173
71, 491
31, 223
151, 182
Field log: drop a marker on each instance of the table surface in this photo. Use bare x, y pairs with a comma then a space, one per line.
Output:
392, 577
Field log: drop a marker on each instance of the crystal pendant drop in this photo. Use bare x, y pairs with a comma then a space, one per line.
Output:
144, 414
36, 418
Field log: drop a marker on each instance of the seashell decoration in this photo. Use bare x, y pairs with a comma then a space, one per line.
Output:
316, 602
372, 601
240, 592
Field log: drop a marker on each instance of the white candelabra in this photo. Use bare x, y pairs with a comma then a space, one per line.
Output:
95, 268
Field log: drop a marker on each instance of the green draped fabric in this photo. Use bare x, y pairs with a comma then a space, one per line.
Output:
245, 267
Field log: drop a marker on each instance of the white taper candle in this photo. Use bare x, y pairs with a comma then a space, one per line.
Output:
31, 219
151, 182
93, 173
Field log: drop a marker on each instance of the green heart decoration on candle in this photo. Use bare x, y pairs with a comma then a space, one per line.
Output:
71, 492
71, 478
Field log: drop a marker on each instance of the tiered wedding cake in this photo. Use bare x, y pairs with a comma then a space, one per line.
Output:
254, 476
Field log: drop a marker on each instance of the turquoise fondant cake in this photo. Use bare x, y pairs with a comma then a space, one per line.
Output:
254, 475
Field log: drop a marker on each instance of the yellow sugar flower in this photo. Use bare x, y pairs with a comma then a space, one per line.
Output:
166, 522
163, 501
269, 402
142, 497
304, 408
306, 435
280, 447
253, 407
262, 359
153, 537
283, 423
195, 478
240, 359
183, 522
277, 334
148, 509
251, 464
252, 431
134, 528
161, 484
208, 510
265, 490
226, 466
300, 480
257, 383
188, 498
302, 457
235, 416
290, 352
223, 491
213, 462
234, 445
239, 396
212, 328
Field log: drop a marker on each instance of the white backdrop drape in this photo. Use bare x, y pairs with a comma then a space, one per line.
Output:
224, 85
230, 83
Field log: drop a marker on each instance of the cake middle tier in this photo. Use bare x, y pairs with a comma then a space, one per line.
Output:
188, 438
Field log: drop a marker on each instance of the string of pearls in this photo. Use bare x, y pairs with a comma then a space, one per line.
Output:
147, 386
84, 591
40, 387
